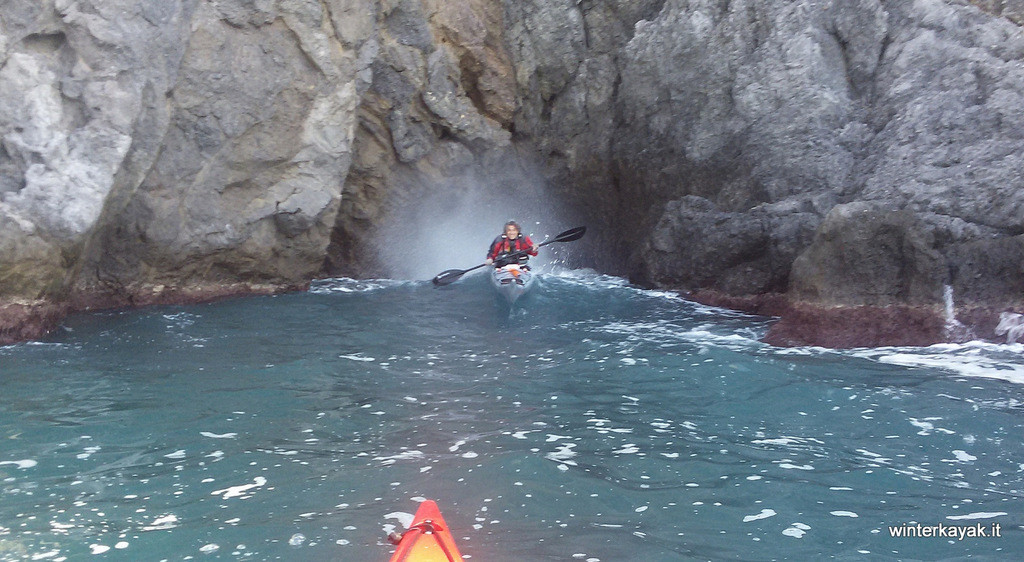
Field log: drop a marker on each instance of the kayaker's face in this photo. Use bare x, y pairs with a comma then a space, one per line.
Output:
511, 232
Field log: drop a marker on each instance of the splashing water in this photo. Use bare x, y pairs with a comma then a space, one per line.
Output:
955, 330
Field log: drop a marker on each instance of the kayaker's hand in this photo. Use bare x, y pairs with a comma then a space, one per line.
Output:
536, 247
488, 261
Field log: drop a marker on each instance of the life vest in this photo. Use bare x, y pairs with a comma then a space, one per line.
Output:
502, 246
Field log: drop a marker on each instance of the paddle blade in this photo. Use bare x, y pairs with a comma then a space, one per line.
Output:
448, 276
570, 235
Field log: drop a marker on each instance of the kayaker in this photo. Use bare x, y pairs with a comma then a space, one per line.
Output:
513, 240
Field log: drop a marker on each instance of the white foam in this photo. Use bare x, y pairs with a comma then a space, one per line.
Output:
239, 491
796, 530
404, 519
405, 455
971, 359
360, 357
27, 463
563, 454
978, 515
61, 528
844, 514
342, 285
765, 514
162, 523
218, 435
796, 466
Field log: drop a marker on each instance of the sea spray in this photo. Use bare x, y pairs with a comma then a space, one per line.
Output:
955, 330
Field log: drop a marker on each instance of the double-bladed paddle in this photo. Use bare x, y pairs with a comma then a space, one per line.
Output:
451, 275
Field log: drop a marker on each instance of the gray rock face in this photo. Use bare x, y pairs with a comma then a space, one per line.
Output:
910, 106
743, 147
866, 254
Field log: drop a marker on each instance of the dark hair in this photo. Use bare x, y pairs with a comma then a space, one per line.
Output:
513, 223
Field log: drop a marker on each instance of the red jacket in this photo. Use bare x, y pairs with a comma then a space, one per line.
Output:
503, 245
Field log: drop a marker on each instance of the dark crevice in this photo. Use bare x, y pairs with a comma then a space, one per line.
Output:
44, 43
469, 71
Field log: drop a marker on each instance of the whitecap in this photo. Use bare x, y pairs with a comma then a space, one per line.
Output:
844, 514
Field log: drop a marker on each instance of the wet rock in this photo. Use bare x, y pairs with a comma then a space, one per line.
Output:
866, 254
21, 321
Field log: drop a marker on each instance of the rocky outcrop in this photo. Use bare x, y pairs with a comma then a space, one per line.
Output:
891, 129
828, 157
195, 146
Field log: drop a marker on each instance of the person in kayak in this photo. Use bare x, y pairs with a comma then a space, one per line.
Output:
513, 240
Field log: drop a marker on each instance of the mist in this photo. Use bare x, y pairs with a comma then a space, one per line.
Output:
451, 226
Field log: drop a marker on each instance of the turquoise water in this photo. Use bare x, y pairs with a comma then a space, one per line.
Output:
594, 422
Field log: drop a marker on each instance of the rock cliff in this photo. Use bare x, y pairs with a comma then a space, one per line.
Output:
850, 165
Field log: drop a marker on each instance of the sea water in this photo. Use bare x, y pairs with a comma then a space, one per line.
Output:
594, 421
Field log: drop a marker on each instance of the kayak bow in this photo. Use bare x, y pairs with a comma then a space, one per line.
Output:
512, 281
428, 539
